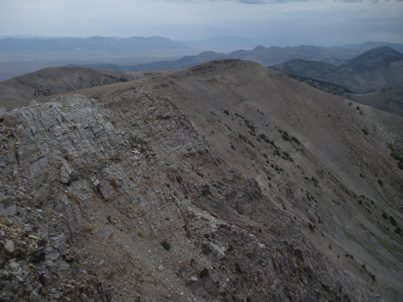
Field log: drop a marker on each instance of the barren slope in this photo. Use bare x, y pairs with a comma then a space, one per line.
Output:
225, 182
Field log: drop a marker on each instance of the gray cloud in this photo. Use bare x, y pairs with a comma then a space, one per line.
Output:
284, 1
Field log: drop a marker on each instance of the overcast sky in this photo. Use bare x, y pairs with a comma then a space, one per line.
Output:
282, 22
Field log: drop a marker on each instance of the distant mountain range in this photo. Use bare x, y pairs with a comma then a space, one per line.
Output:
346, 70
374, 78
375, 69
330, 56
260, 54
23, 54
370, 45
138, 44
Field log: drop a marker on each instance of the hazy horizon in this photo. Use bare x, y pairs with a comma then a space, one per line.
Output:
279, 22
262, 40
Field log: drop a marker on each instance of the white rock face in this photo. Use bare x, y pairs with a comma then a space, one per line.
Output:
9, 246
65, 173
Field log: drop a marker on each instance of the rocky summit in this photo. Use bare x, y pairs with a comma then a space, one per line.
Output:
223, 182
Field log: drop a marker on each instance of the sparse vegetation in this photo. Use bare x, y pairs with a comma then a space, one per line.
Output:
114, 183
205, 190
246, 140
138, 143
166, 245
251, 126
393, 221
347, 255
313, 180
397, 153
204, 273
309, 196
288, 138
322, 85
276, 168
286, 156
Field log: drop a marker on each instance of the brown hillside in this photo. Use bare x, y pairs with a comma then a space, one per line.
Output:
51, 81
223, 182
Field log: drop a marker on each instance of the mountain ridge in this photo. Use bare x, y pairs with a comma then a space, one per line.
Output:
374, 58
375, 69
214, 182
345, 116
123, 54
53, 80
